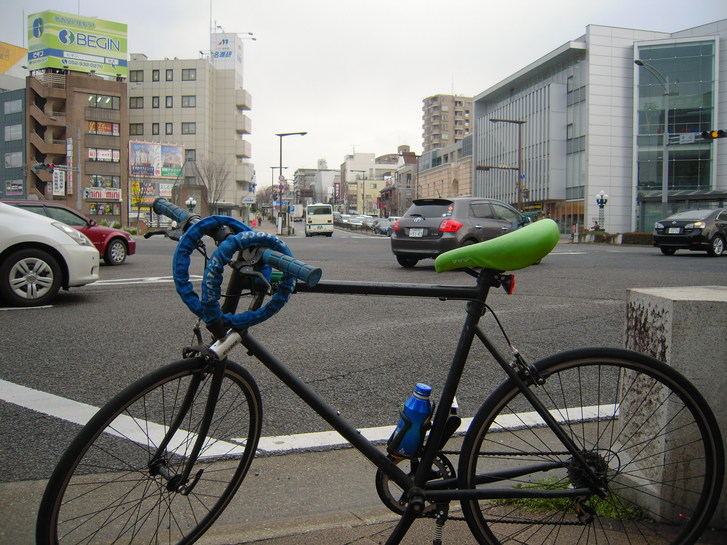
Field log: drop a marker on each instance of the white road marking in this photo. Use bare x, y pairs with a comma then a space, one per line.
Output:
144, 433
144, 280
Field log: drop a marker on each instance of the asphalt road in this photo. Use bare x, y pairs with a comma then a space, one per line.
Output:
362, 353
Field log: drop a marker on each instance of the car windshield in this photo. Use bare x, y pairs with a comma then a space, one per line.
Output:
691, 215
434, 210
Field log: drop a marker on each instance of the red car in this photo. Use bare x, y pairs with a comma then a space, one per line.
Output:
113, 244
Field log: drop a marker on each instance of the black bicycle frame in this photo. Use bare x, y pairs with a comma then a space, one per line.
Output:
417, 488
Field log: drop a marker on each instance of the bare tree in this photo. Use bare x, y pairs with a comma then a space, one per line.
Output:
215, 175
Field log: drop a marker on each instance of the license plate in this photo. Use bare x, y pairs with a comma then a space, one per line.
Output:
417, 232
673, 230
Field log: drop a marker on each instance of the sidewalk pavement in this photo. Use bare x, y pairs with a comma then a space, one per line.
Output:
304, 498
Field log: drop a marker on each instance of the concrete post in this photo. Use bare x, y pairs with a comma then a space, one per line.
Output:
686, 328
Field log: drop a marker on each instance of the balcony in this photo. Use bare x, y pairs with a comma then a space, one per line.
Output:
244, 172
243, 149
243, 99
243, 124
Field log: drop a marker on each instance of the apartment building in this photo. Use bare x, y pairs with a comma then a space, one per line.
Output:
447, 119
199, 104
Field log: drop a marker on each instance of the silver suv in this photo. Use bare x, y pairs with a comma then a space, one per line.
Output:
433, 226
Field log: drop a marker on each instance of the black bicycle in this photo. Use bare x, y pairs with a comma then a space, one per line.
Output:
567, 449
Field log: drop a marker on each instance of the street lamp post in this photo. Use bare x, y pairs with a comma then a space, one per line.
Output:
601, 200
191, 202
281, 178
77, 148
664, 81
272, 188
519, 123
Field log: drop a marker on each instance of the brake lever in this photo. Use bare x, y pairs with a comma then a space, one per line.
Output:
245, 266
174, 234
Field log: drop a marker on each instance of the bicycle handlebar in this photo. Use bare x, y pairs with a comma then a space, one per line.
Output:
232, 236
176, 213
289, 265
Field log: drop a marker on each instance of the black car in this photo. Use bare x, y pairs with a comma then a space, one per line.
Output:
431, 227
701, 230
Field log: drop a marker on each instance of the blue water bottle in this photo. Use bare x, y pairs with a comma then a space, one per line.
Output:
414, 421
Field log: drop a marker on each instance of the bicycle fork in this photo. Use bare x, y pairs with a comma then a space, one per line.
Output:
158, 465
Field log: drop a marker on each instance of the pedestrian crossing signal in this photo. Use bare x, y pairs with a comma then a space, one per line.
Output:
712, 135
37, 167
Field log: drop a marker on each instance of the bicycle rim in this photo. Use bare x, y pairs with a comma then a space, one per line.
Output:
105, 489
637, 422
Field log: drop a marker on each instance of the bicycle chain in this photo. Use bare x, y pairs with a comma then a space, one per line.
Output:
508, 521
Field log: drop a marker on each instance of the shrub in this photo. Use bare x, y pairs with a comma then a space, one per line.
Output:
636, 238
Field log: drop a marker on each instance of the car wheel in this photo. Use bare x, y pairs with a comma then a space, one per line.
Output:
407, 262
717, 246
668, 251
29, 278
115, 253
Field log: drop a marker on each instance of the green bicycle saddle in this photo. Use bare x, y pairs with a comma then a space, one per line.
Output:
515, 250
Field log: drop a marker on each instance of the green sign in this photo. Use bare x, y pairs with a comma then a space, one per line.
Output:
80, 44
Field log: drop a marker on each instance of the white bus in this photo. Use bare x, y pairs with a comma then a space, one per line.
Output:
318, 220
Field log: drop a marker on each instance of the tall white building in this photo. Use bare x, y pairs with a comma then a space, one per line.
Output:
199, 104
586, 118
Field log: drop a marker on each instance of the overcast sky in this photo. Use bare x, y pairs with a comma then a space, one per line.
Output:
353, 73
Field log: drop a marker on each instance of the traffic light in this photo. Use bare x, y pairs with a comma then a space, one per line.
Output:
37, 167
712, 135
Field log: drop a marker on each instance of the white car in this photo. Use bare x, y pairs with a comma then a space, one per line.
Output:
39, 256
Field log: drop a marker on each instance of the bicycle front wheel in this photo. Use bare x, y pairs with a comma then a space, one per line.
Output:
112, 485
640, 426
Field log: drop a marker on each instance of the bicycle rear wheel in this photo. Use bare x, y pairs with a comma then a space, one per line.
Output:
637, 422
106, 487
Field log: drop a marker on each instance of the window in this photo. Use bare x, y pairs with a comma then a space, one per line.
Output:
104, 155
136, 75
189, 101
168, 128
13, 106
189, 74
136, 103
105, 102
14, 159
155, 128
190, 155
104, 180
104, 128
155, 75
13, 132
170, 74
169, 102
136, 129
154, 102
189, 128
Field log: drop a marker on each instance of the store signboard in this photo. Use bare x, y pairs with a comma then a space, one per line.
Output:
150, 160
80, 44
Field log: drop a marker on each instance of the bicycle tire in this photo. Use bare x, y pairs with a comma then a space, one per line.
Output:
103, 490
637, 421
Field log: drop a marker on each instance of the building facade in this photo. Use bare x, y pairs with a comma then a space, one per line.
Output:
77, 122
447, 119
199, 104
585, 118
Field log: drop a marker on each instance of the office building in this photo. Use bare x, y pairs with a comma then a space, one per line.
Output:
586, 118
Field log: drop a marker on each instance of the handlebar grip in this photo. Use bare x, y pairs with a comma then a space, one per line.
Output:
306, 273
165, 208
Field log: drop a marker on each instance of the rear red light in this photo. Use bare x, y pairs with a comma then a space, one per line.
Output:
395, 227
449, 226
